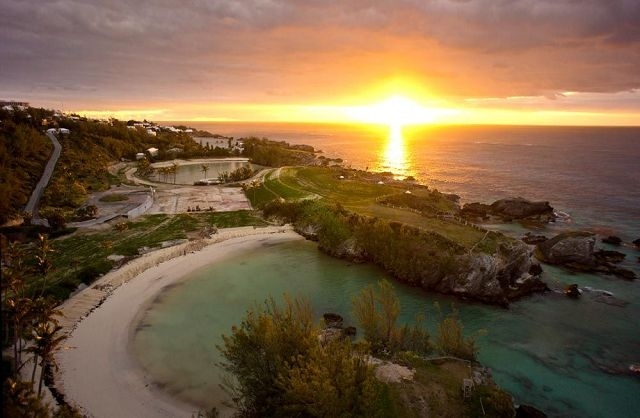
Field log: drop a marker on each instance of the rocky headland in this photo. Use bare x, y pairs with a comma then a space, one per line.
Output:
507, 274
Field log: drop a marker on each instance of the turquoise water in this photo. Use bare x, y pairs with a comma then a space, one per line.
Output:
566, 357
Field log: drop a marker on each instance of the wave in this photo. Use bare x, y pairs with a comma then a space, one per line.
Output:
562, 216
602, 291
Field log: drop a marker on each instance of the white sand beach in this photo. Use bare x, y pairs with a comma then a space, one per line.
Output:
97, 371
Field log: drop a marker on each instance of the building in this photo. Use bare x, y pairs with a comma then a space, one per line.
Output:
153, 151
12, 103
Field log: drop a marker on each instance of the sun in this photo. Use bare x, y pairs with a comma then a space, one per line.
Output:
395, 111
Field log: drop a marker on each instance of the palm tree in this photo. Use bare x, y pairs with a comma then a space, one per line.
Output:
204, 168
164, 171
46, 343
174, 170
43, 264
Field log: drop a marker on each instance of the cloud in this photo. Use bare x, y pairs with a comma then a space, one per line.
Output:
312, 50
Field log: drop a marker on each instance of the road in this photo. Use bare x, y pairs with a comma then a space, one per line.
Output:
34, 200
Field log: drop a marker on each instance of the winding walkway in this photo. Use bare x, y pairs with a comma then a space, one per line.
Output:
34, 200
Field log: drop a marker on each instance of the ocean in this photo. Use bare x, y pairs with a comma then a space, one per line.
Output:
569, 358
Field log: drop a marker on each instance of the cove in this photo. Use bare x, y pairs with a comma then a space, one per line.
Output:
563, 356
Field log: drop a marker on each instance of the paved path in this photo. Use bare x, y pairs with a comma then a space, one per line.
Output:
32, 204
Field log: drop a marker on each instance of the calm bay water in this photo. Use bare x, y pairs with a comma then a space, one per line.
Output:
190, 173
567, 357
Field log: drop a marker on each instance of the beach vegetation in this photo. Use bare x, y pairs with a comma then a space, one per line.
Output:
279, 362
30, 329
278, 366
376, 311
450, 339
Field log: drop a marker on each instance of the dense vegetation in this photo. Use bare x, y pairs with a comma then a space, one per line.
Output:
24, 151
277, 153
281, 363
281, 369
30, 328
87, 150
418, 257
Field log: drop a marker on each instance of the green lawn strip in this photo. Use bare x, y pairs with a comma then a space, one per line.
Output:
116, 197
326, 182
83, 256
360, 197
260, 195
233, 219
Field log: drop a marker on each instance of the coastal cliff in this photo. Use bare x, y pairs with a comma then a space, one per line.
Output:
497, 271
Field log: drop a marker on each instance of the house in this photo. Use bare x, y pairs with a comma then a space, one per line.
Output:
151, 132
153, 151
52, 131
63, 131
140, 156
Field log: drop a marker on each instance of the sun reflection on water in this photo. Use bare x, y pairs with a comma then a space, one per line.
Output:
394, 158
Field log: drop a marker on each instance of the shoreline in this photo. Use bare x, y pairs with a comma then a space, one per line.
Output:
96, 363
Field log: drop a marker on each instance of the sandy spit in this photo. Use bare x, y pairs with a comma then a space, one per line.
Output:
97, 371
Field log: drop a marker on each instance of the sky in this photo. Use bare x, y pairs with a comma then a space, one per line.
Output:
573, 62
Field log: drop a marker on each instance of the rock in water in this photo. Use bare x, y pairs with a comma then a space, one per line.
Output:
609, 256
572, 291
612, 239
520, 208
576, 251
509, 210
333, 320
569, 248
526, 411
637, 243
532, 239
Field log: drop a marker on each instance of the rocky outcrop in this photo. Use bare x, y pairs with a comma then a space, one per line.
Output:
612, 239
576, 250
527, 411
607, 256
636, 242
508, 210
572, 291
430, 261
334, 328
532, 239
496, 279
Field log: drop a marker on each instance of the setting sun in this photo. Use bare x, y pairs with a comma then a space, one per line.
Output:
395, 111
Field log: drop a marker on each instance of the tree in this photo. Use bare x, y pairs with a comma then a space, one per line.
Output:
47, 340
56, 219
450, 338
278, 367
43, 263
174, 170
377, 314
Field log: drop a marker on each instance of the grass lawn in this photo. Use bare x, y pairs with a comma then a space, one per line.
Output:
116, 197
83, 255
360, 196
